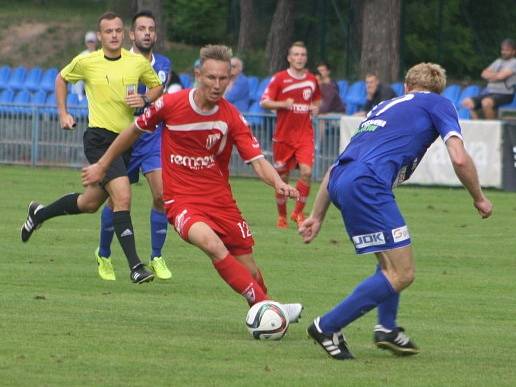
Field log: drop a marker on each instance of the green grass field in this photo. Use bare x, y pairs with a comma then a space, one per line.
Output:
63, 326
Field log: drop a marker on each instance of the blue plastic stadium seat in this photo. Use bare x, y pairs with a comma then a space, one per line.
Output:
261, 88
33, 79
255, 113
6, 97
83, 109
21, 100
39, 97
356, 97
253, 85
398, 88
343, 88
186, 80
5, 71
17, 78
48, 79
452, 92
511, 105
50, 103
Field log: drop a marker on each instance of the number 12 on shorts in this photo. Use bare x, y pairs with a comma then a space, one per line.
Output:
244, 229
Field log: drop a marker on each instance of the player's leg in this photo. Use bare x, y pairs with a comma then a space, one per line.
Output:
488, 108
232, 271
304, 157
119, 190
283, 157
398, 266
69, 204
103, 252
158, 224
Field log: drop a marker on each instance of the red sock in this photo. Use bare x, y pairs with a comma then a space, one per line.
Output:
281, 202
240, 279
304, 191
260, 280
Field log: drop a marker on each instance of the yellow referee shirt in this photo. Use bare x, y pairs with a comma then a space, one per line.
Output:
107, 82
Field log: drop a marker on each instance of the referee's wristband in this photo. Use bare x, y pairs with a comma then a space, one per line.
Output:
146, 101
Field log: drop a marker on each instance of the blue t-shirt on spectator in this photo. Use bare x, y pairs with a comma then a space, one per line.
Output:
238, 94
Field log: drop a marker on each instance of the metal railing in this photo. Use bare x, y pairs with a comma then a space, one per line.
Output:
30, 135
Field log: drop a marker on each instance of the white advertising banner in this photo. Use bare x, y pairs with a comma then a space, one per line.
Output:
483, 140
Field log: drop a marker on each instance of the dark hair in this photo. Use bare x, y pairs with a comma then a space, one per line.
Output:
142, 13
325, 64
109, 15
508, 42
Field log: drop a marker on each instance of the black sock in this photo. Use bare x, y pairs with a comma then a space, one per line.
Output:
125, 234
66, 205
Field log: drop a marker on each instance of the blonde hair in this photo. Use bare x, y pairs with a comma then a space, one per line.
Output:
426, 76
299, 43
215, 52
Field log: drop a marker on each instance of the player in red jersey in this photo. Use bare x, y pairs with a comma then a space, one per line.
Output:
200, 130
294, 94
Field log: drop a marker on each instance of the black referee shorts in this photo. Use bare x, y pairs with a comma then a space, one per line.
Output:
96, 142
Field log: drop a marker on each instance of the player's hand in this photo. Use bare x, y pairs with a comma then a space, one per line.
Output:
134, 101
314, 110
67, 121
288, 103
309, 229
287, 190
484, 207
92, 174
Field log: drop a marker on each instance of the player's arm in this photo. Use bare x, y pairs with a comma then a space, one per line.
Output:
467, 174
311, 225
144, 100
66, 120
274, 105
95, 172
266, 172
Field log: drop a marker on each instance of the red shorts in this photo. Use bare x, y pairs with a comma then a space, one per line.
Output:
287, 157
227, 223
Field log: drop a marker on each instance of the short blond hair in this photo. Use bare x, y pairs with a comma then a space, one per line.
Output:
299, 43
426, 76
215, 52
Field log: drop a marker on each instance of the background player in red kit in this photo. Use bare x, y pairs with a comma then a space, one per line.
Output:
199, 133
295, 94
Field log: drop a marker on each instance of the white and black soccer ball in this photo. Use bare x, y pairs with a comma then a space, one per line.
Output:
267, 320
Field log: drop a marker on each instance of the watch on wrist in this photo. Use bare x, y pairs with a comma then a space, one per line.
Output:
146, 100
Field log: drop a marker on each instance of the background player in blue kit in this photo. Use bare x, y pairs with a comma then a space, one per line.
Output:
384, 152
145, 156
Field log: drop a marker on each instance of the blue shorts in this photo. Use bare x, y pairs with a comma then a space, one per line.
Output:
146, 162
372, 218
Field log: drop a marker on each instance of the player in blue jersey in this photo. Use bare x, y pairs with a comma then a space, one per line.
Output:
384, 152
145, 156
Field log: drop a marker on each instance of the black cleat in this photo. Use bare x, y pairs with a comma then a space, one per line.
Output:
394, 340
334, 344
140, 274
30, 224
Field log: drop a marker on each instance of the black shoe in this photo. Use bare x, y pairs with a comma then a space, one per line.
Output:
30, 224
394, 340
140, 274
334, 344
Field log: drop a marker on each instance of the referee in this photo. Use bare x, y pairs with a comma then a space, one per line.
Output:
110, 76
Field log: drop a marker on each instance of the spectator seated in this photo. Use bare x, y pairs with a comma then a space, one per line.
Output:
468, 92
253, 86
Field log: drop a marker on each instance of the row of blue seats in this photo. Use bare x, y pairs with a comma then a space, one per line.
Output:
352, 94
22, 101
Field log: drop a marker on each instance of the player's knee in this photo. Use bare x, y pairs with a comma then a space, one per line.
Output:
122, 202
487, 103
89, 207
406, 278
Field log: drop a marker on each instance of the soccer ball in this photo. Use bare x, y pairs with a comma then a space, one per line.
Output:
267, 320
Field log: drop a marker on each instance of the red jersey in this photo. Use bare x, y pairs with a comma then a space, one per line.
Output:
196, 147
293, 125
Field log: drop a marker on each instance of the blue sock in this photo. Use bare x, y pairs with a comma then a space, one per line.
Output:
368, 294
388, 310
158, 222
106, 232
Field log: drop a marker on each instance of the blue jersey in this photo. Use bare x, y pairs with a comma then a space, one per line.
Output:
151, 142
396, 133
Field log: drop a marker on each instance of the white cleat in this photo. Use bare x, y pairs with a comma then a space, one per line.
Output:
293, 312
